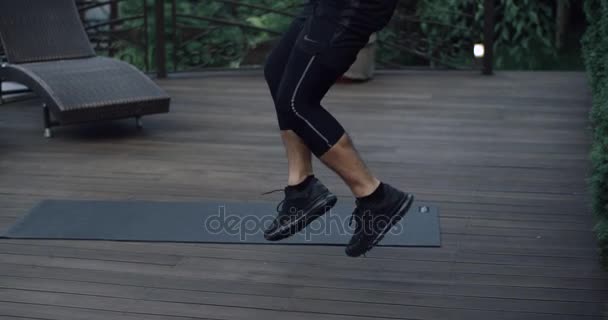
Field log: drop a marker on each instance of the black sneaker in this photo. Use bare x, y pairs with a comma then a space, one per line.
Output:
375, 220
299, 209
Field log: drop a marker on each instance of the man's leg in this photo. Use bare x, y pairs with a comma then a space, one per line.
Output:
306, 82
308, 76
299, 157
305, 197
344, 160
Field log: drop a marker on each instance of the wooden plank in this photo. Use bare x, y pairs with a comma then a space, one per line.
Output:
347, 291
448, 261
494, 256
386, 305
20, 310
161, 308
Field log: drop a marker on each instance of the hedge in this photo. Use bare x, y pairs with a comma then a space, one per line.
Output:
595, 53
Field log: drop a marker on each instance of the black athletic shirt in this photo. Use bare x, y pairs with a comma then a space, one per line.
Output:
360, 15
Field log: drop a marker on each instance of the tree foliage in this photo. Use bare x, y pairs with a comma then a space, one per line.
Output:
523, 31
423, 30
595, 53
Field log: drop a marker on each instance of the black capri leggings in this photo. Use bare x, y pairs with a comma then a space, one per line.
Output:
319, 46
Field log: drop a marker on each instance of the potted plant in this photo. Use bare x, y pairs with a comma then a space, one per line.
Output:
364, 66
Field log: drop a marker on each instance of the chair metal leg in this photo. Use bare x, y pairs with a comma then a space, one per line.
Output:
138, 123
47, 121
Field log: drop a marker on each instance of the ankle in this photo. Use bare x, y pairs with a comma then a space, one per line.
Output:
376, 196
298, 180
365, 189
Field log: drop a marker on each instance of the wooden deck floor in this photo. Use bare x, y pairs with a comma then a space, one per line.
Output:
505, 157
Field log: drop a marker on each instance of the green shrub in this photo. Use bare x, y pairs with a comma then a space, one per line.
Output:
595, 53
524, 30
205, 43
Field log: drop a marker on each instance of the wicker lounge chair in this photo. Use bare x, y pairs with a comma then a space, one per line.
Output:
48, 50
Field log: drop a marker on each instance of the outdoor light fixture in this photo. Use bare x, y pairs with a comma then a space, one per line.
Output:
479, 50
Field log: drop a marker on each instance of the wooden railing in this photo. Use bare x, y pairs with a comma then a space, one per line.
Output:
124, 36
488, 36
159, 37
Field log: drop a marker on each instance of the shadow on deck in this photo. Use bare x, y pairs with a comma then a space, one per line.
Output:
505, 157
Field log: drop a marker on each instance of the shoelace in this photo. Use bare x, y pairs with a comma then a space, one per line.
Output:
279, 206
352, 217
275, 191
272, 191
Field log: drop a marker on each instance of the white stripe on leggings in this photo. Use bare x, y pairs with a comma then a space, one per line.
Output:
293, 102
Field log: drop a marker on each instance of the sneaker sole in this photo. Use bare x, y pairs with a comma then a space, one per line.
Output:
319, 208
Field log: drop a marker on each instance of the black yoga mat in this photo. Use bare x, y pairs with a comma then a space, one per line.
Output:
204, 222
